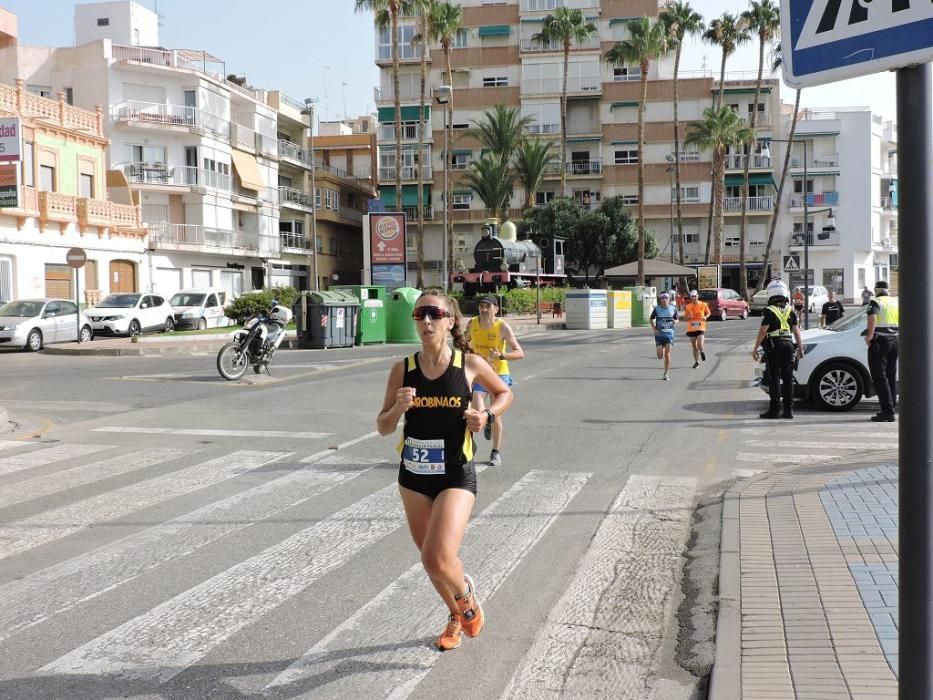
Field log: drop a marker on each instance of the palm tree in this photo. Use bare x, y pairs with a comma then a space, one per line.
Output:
501, 130
680, 21
719, 130
565, 26
764, 18
646, 42
778, 59
423, 38
444, 20
492, 179
533, 159
387, 13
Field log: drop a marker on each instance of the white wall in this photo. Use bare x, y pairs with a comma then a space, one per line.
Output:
129, 23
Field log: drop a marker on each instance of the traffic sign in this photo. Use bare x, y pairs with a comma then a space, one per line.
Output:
828, 40
791, 263
76, 258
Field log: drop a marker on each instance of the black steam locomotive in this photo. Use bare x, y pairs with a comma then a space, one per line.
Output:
504, 261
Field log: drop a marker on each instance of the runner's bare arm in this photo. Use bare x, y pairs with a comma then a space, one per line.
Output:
398, 399
513, 349
479, 371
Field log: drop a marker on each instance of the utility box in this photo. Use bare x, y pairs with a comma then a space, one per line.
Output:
400, 328
620, 309
371, 323
328, 319
644, 299
586, 309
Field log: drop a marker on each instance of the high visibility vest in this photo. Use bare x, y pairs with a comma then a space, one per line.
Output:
485, 340
888, 313
783, 316
695, 315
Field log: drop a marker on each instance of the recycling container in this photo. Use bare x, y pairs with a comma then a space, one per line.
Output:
586, 309
371, 322
644, 299
400, 328
327, 319
620, 309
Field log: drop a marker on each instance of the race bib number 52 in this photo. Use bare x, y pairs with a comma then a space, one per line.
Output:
423, 456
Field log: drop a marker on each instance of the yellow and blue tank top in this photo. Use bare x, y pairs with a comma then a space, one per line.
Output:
486, 339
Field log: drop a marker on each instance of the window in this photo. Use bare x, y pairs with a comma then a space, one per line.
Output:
148, 154
407, 49
798, 186
46, 178
461, 39
688, 193
29, 175
317, 197
731, 242
332, 245
103, 21
462, 201
626, 156
689, 156
70, 95
460, 126
40, 90
544, 197
691, 237
622, 74
86, 186
460, 161
629, 199
497, 81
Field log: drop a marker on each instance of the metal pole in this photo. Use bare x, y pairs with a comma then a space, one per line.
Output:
317, 284
672, 216
446, 203
538, 287
78, 304
806, 242
915, 456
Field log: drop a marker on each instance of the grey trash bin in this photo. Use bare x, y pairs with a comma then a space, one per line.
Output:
327, 319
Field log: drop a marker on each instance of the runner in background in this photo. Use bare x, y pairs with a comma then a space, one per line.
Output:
663, 318
696, 315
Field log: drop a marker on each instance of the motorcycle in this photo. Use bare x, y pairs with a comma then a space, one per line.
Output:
254, 344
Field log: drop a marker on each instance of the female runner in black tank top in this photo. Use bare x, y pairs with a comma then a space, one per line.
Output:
437, 479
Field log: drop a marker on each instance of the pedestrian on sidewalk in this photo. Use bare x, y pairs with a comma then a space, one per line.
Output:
779, 328
866, 296
663, 319
832, 310
437, 476
696, 315
494, 340
881, 338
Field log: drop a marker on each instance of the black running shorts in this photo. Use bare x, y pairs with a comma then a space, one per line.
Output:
463, 477
694, 334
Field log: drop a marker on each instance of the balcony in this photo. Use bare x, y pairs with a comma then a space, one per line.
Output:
408, 172
529, 45
815, 199
194, 236
292, 152
551, 5
409, 132
156, 114
819, 238
350, 214
412, 213
175, 175
296, 199
294, 242
830, 160
543, 129
28, 203
736, 161
17, 100
579, 168
590, 85
55, 206
581, 127
889, 203
762, 203
104, 213
384, 94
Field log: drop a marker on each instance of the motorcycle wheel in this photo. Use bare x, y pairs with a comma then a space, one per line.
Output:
232, 361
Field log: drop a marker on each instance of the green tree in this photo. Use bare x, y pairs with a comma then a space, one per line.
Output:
492, 179
589, 244
565, 26
763, 17
501, 130
680, 20
624, 230
647, 41
533, 160
717, 132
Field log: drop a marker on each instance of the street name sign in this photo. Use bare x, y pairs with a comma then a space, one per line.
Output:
828, 40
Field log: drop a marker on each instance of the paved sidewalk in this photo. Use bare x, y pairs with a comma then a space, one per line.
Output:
808, 584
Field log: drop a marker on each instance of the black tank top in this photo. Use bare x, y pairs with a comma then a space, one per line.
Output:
435, 421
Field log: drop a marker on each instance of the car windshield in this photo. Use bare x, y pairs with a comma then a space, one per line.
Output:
187, 300
119, 301
24, 309
708, 294
810, 291
846, 323
762, 295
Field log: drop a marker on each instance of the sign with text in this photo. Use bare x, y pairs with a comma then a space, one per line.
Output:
9, 192
387, 239
708, 276
11, 139
389, 276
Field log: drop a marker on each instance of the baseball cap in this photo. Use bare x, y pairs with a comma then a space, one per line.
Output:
694, 293
489, 299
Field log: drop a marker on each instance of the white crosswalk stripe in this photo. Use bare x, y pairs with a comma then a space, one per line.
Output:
204, 432
785, 457
363, 657
21, 535
86, 474
824, 445
12, 444
35, 598
602, 636
48, 455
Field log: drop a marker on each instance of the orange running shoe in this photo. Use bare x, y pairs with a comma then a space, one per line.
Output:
450, 637
471, 614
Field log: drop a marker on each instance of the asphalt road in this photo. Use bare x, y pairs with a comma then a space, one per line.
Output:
167, 534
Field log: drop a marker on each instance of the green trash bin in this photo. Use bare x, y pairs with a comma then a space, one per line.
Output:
399, 326
371, 325
327, 319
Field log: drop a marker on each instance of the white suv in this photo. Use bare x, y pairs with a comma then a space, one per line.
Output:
131, 314
834, 369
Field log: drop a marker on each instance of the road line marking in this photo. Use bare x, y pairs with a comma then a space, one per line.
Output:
530, 377
42, 528
784, 458
363, 656
829, 444
45, 485
10, 444
160, 643
47, 455
215, 432
745, 473
342, 446
60, 587
619, 599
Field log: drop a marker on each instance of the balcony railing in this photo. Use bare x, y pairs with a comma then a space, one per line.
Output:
577, 167
102, 212
762, 203
242, 137
529, 45
549, 5
17, 100
381, 94
408, 172
55, 206
178, 175
351, 214
818, 238
170, 115
294, 241
888, 203
575, 84
409, 132
823, 161
575, 128
292, 151
537, 128
175, 235
736, 161
815, 199
289, 196
412, 213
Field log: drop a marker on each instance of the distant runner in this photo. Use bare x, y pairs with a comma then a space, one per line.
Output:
696, 315
663, 318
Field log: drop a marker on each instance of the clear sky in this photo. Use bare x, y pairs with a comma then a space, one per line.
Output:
309, 48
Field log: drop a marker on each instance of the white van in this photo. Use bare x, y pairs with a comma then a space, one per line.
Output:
200, 308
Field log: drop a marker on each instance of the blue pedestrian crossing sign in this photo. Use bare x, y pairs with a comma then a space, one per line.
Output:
828, 40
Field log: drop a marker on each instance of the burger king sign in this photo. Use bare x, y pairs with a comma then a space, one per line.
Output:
387, 238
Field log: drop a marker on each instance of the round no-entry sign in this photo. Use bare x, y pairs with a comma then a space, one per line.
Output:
76, 258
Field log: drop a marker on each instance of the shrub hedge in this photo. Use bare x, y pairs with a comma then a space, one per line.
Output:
251, 303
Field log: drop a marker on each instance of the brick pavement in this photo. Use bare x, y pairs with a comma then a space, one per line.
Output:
808, 585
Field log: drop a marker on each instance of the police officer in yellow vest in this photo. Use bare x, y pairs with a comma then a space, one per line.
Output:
779, 329
881, 338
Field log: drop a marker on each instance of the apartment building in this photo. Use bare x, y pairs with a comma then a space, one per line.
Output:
495, 61
64, 198
851, 175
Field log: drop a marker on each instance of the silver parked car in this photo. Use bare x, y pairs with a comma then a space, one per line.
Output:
759, 303
33, 323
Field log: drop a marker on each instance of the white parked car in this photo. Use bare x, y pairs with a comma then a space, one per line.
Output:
818, 296
200, 308
32, 323
833, 372
131, 314
759, 303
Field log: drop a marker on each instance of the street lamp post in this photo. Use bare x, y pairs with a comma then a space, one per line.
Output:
670, 169
309, 107
442, 95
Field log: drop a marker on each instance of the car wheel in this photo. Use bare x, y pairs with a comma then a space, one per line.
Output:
744, 313
86, 334
34, 340
202, 324
812, 308
134, 328
836, 387
723, 314
169, 324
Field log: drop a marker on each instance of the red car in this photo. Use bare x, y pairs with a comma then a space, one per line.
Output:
723, 303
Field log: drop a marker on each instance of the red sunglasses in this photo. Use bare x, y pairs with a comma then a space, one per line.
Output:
435, 313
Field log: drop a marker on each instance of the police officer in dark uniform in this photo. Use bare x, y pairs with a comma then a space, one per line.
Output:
881, 338
779, 328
